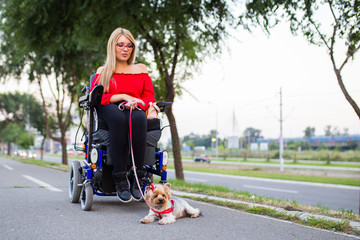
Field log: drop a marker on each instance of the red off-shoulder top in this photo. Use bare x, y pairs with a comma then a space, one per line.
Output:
137, 85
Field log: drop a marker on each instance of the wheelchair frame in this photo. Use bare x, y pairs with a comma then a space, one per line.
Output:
81, 176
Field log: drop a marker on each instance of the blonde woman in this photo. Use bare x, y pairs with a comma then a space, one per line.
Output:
130, 83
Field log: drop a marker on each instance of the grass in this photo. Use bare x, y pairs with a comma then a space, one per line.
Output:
256, 172
220, 191
41, 163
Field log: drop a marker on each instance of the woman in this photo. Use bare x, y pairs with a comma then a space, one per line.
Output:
130, 83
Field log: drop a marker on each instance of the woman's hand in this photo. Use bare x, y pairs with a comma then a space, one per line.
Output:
131, 102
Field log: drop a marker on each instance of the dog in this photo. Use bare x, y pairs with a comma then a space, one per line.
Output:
166, 209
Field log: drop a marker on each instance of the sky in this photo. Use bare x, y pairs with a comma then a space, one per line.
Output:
241, 88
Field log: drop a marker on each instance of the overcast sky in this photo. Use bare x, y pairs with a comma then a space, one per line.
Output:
246, 82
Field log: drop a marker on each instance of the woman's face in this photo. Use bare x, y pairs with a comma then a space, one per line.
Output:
123, 49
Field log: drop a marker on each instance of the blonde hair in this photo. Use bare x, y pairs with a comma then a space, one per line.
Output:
109, 67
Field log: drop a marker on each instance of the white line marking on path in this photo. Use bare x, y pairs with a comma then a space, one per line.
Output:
41, 183
8, 167
271, 189
195, 179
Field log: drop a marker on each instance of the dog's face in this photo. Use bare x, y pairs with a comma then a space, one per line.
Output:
158, 195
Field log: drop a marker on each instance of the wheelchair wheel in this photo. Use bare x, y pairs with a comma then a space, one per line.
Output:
74, 182
86, 197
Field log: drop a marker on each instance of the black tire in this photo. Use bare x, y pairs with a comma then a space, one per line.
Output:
74, 182
87, 195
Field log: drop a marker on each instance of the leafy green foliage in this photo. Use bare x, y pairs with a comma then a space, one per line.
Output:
197, 140
68, 39
309, 17
168, 32
18, 110
17, 134
44, 35
252, 134
309, 132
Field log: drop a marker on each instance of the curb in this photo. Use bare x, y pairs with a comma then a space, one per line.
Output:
301, 215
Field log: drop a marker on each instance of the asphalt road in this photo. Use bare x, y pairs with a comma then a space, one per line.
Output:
335, 197
34, 205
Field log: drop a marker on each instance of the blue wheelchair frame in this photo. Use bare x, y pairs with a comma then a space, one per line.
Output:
81, 178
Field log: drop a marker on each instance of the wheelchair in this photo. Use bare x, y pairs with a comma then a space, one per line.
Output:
93, 176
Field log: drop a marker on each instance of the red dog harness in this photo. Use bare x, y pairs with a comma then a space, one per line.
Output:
169, 210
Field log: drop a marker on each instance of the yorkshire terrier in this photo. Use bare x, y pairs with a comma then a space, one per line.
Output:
161, 207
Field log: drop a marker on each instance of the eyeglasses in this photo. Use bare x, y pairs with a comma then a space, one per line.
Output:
122, 45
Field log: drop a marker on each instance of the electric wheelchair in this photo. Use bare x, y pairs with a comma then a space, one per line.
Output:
94, 174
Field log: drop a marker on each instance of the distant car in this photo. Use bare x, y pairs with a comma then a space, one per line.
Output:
202, 158
20, 153
31, 154
25, 154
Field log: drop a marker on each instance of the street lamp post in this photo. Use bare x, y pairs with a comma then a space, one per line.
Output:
215, 140
216, 133
281, 140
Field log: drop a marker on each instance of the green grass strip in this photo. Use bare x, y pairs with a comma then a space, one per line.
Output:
224, 192
41, 163
339, 226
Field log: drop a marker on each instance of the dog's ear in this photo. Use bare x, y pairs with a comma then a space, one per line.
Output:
167, 190
147, 188
167, 185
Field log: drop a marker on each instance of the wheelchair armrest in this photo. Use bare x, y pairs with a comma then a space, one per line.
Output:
163, 105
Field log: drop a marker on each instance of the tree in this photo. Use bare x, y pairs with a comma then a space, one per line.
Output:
309, 132
42, 37
18, 111
16, 133
305, 16
197, 140
252, 134
174, 37
68, 39
331, 131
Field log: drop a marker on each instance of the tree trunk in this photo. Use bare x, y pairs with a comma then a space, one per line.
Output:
346, 94
42, 149
175, 145
64, 152
9, 149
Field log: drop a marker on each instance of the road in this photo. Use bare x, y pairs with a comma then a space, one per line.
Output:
34, 205
335, 197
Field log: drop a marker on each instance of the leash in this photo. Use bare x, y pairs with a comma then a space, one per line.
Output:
152, 187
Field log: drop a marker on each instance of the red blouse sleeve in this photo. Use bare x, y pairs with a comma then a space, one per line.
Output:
106, 96
148, 94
